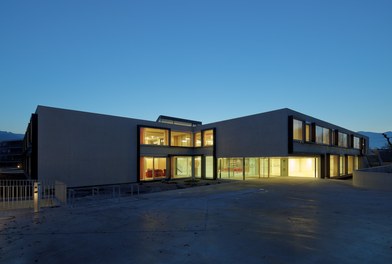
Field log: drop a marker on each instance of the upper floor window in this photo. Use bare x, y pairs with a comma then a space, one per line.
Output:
208, 137
181, 139
197, 138
154, 136
356, 143
322, 135
308, 132
297, 129
342, 140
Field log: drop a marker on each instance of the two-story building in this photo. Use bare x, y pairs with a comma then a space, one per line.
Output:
84, 149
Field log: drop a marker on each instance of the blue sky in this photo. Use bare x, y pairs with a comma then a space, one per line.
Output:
202, 60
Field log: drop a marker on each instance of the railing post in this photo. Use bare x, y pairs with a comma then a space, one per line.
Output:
37, 192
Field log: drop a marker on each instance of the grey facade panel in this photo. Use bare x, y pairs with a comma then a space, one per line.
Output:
83, 149
258, 135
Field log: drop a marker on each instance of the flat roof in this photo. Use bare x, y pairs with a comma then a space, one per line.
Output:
178, 121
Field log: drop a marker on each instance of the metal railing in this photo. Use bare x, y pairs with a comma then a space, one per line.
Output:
16, 194
101, 192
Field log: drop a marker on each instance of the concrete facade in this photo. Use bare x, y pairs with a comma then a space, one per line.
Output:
379, 178
85, 149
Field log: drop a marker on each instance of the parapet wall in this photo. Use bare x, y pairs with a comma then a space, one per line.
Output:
379, 178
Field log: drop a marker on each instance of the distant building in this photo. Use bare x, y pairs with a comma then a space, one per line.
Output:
82, 149
11, 154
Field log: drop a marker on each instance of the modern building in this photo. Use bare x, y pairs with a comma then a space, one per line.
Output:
11, 154
84, 149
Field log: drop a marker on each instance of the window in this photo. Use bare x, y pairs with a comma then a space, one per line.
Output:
152, 168
181, 139
252, 168
154, 136
274, 167
303, 167
342, 140
356, 143
209, 167
356, 163
182, 167
230, 168
297, 129
350, 164
333, 165
208, 137
197, 168
308, 136
322, 135
264, 167
342, 165
197, 142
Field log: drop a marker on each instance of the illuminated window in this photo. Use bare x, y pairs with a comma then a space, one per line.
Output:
208, 136
209, 167
182, 167
152, 168
308, 137
322, 135
274, 168
356, 163
181, 139
230, 168
197, 139
264, 168
154, 136
356, 143
197, 168
342, 140
342, 165
333, 165
297, 129
252, 167
303, 167
350, 164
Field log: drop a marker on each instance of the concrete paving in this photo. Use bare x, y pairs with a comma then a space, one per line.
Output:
277, 220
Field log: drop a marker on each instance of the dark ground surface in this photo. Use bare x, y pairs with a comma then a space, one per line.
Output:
277, 220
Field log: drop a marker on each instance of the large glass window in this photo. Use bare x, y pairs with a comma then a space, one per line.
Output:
208, 137
356, 163
154, 136
252, 168
197, 139
181, 167
322, 135
264, 168
350, 164
274, 167
230, 168
297, 129
308, 136
181, 139
197, 168
223, 168
342, 140
209, 167
356, 143
303, 167
333, 165
152, 168
342, 165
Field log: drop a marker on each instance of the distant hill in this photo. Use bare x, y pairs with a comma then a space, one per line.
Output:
376, 140
10, 136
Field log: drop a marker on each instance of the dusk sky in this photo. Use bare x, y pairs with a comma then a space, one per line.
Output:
201, 60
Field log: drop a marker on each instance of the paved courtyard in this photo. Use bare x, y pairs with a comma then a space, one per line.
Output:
277, 220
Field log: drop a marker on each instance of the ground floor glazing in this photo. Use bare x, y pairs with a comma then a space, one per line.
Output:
242, 168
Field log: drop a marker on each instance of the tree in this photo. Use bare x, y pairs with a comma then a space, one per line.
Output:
388, 140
